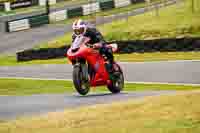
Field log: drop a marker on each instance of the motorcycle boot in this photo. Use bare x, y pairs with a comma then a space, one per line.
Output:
108, 57
109, 66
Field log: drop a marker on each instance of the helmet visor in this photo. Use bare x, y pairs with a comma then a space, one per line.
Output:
79, 31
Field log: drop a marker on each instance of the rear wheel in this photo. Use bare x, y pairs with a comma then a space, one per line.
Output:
117, 82
80, 84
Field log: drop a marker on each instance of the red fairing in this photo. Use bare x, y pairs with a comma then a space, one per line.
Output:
81, 53
94, 59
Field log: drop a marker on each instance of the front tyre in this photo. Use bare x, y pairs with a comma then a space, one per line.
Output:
80, 84
117, 83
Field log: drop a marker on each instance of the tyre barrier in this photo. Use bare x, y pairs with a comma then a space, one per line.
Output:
91, 8
71, 12
74, 12
106, 4
138, 46
27, 23
2, 8
39, 20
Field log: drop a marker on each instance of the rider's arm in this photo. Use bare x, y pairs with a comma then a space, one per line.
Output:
100, 38
73, 37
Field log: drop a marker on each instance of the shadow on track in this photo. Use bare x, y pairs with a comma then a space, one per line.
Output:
100, 94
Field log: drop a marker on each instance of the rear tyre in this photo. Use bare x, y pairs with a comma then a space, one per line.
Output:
81, 86
117, 83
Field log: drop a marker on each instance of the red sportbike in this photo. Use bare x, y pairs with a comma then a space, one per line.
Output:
89, 67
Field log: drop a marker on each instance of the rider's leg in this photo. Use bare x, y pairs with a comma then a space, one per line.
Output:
110, 59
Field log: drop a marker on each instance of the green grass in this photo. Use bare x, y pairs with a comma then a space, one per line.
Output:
174, 21
29, 87
6, 13
157, 56
134, 57
162, 114
60, 41
108, 12
12, 61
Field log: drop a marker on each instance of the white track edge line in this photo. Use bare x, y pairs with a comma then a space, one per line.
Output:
136, 82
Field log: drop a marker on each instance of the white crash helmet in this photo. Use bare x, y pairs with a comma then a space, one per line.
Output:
79, 27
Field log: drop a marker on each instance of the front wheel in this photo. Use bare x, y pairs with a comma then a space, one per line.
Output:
80, 84
117, 82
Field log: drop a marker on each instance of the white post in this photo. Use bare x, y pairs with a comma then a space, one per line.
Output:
52, 2
7, 6
148, 4
42, 2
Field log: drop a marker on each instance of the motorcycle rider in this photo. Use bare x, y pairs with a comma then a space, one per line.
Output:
80, 27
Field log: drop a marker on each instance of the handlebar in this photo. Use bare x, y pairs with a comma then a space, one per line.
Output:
89, 45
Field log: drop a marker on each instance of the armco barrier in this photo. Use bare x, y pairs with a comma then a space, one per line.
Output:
91, 8
139, 46
122, 3
106, 4
36, 21
18, 25
58, 16
75, 12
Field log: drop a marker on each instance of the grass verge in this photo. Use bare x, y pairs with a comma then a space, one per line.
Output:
12, 61
134, 57
183, 23
163, 114
109, 12
157, 56
29, 87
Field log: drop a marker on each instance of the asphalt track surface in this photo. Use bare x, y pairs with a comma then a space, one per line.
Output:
183, 72
11, 107
17, 41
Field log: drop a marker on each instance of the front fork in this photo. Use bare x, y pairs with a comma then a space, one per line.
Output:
84, 69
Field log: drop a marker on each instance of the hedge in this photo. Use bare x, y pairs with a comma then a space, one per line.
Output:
159, 45
43, 54
140, 46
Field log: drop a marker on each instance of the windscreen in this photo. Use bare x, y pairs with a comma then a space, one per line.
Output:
77, 42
